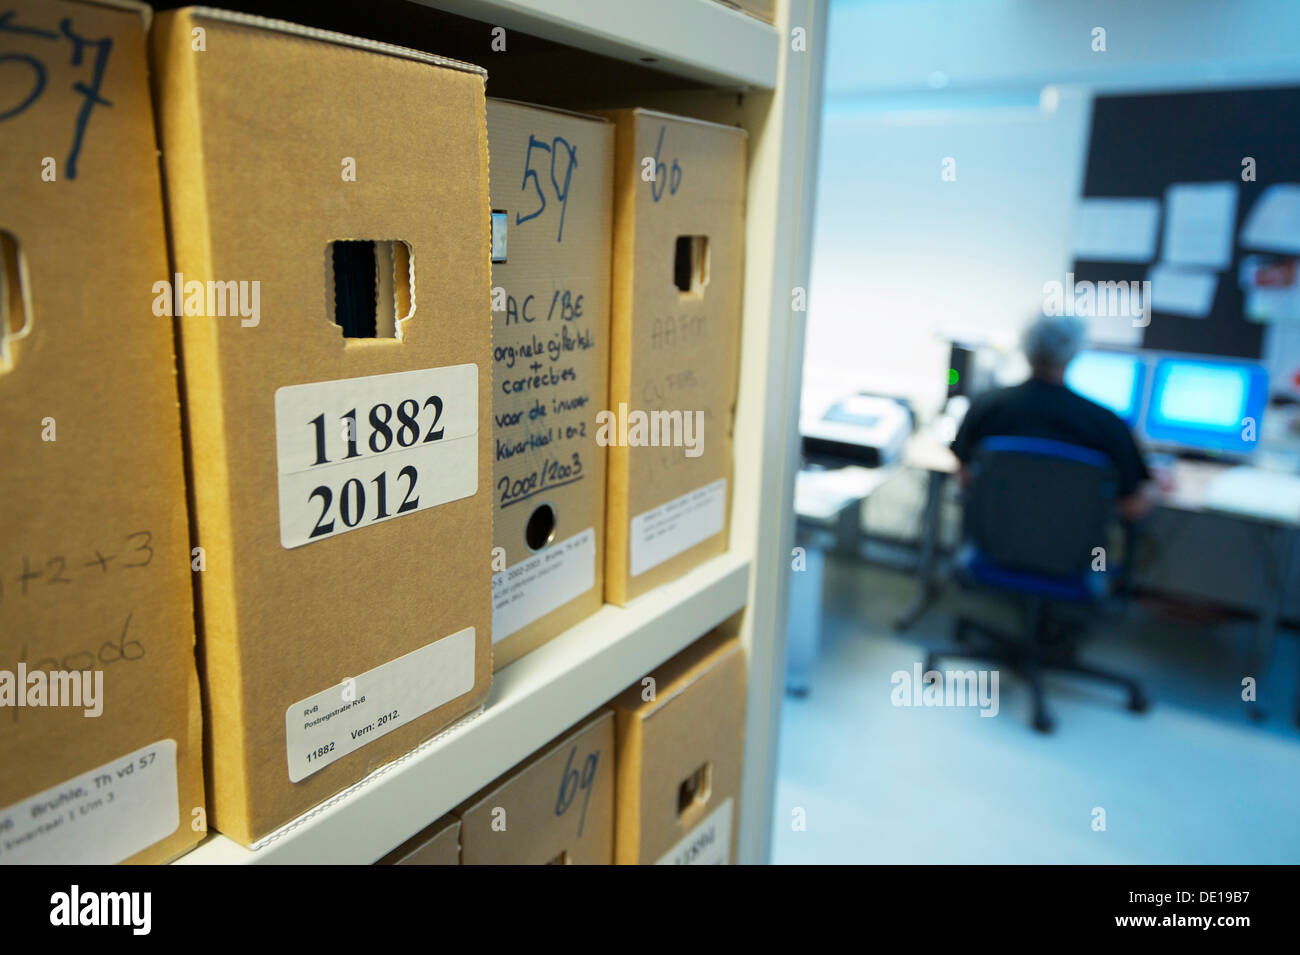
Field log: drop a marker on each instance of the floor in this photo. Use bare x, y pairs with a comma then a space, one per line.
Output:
1193, 780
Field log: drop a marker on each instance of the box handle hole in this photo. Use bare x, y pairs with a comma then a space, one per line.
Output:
695, 789
14, 313
691, 264
372, 286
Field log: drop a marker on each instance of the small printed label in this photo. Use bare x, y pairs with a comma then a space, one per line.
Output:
358, 451
98, 818
534, 587
709, 843
330, 724
671, 528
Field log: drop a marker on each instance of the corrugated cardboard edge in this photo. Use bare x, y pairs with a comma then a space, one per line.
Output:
621, 291
573, 113
329, 36
677, 118
766, 15
485, 409
369, 780
169, 847
129, 6
180, 137
684, 669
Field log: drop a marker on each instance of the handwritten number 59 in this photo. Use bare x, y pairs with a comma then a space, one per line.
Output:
563, 156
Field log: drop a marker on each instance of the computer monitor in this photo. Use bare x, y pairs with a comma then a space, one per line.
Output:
1207, 405
1112, 379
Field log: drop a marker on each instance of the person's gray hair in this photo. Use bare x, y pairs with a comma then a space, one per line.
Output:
1051, 341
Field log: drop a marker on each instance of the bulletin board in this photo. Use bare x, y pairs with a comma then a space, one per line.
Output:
1140, 145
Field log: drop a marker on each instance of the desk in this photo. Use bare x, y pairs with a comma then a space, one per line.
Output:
1190, 547
828, 509
927, 452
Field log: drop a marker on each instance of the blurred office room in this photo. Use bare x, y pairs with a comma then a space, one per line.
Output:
988, 659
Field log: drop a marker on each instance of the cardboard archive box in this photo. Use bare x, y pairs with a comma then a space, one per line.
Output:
555, 808
94, 539
679, 759
552, 189
338, 417
679, 216
439, 844
762, 9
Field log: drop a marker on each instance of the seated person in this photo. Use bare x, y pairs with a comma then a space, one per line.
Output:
1043, 407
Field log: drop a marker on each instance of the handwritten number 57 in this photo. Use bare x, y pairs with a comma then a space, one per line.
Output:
89, 91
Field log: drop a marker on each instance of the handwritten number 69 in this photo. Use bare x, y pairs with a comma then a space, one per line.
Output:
571, 783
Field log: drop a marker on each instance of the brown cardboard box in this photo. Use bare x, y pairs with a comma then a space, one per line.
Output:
340, 482
762, 9
439, 844
557, 807
552, 189
675, 346
679, 759
94, 541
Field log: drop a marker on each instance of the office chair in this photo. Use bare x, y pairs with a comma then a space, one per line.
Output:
1034, 512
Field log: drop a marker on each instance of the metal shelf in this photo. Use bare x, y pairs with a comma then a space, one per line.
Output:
531, 701
700, 40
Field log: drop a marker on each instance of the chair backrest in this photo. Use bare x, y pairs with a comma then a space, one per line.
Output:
1038, 505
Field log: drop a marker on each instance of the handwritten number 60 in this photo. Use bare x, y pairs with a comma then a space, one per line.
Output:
673, 175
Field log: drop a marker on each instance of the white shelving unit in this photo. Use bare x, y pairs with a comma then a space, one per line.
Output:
542, 694
697, 39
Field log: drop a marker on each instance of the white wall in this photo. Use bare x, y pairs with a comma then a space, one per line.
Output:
898, 252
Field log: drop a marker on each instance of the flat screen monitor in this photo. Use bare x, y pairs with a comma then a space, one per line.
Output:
1207, 405
1112, 379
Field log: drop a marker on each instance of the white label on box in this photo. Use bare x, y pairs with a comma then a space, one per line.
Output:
537, 585
332, 723
709, 843
671, 528
357, 451
98, 818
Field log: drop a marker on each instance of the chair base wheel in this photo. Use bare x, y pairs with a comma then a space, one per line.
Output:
1044, 723
1137, 703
